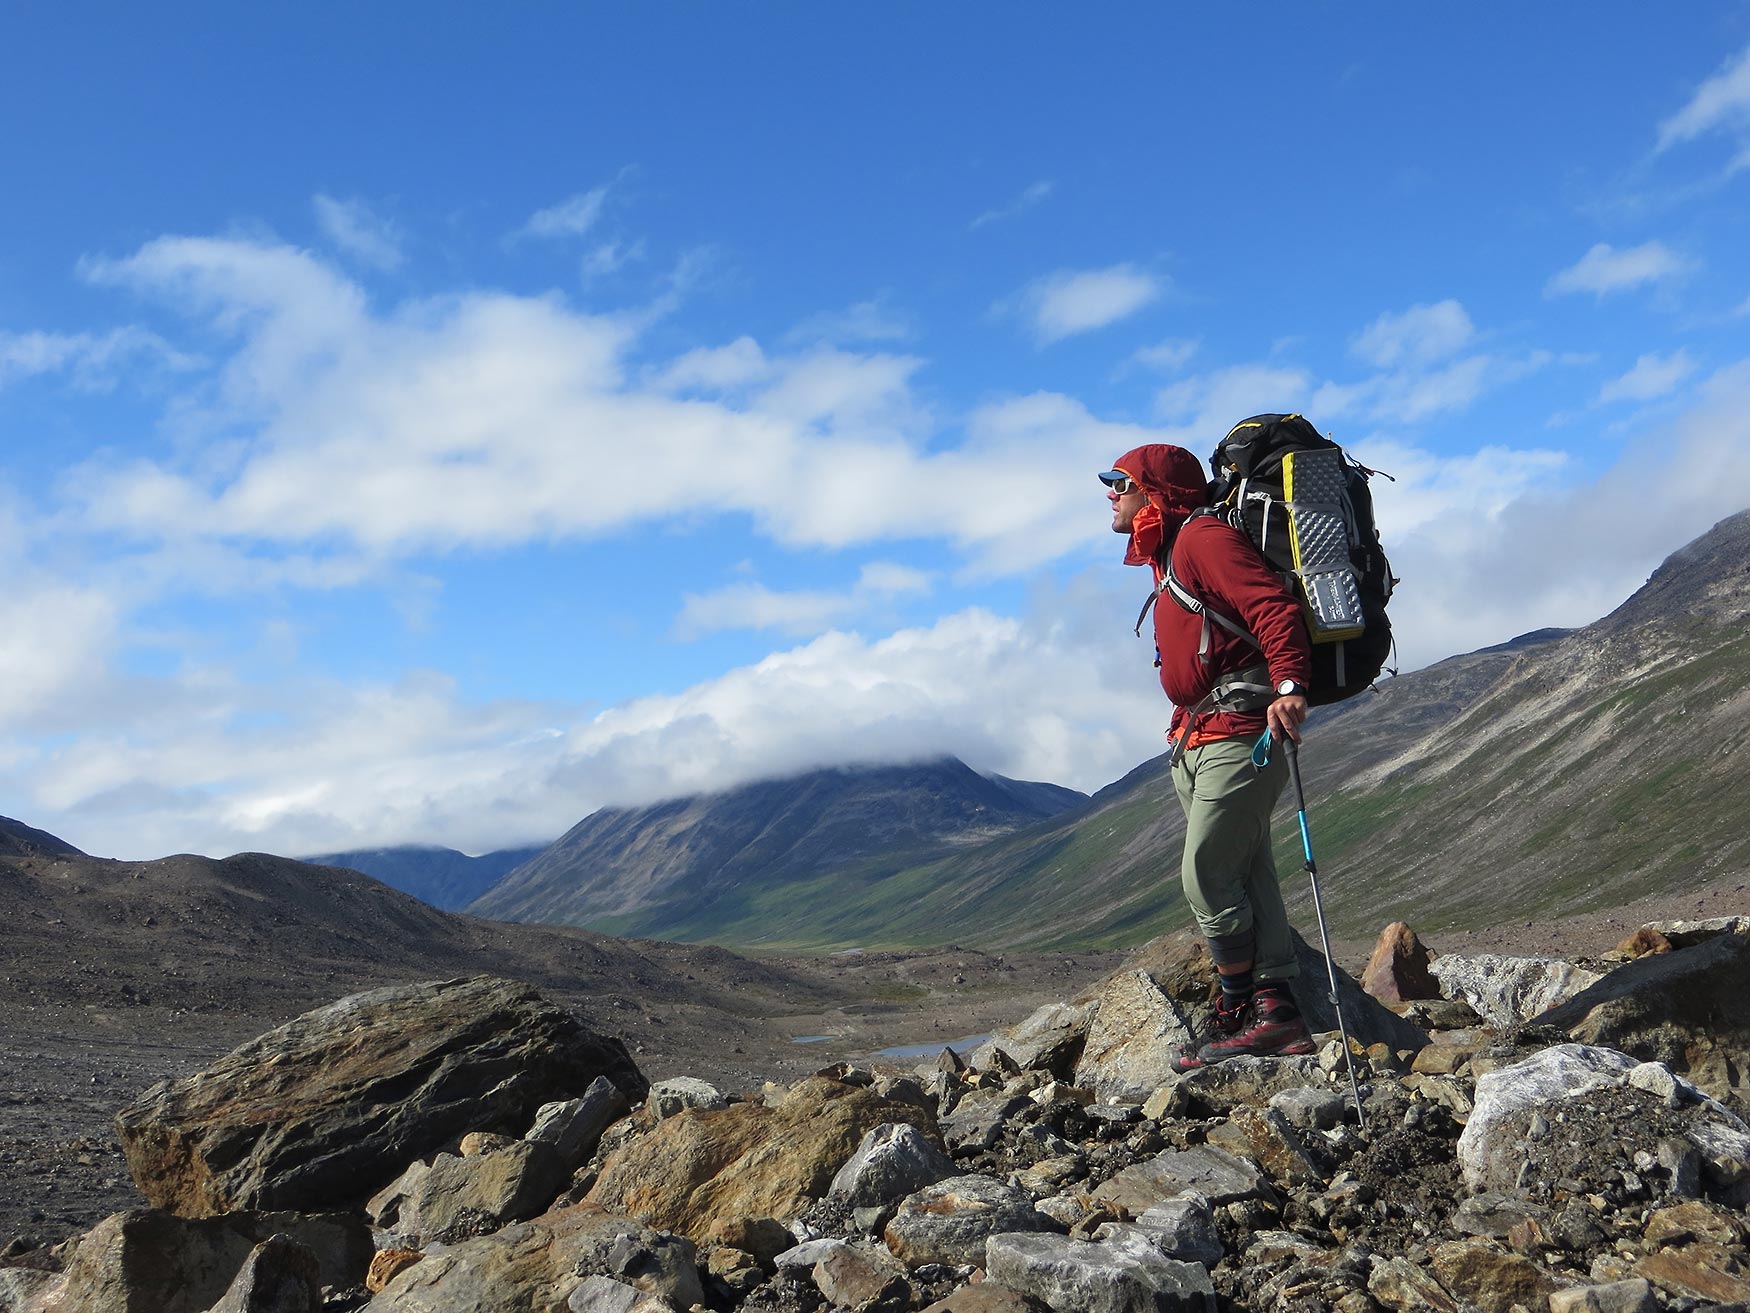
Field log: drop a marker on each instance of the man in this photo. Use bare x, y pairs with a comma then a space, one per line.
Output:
1227, 871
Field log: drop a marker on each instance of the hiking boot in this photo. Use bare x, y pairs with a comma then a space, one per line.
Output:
1273, 1028
1225, 1022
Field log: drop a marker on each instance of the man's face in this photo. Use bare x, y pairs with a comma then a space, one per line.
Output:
1127, 499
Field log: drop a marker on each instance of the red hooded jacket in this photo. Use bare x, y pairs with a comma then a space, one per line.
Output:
1219, 565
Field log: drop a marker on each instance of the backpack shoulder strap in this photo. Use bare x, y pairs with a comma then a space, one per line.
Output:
1171, 583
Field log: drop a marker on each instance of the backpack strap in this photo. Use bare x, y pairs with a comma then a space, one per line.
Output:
1244, 690
1196, 606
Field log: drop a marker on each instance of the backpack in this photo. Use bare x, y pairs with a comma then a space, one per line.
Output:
1303, 502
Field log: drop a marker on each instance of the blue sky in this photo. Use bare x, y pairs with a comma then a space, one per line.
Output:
420, 424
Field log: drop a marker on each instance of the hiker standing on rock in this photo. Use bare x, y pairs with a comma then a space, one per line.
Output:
1226, 693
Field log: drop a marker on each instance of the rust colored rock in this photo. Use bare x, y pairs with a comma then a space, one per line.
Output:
701, 1169
1397, 972
387, 1265
328, 1108
1643, 941
1710, 1273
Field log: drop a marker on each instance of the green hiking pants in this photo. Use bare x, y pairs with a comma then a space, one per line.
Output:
1228, 874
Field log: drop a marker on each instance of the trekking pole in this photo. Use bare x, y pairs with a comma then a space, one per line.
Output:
1312, 870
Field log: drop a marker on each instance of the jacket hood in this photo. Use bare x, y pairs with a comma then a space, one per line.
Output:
1175, 484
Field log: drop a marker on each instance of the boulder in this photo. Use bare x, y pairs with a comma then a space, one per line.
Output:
700, 1168
978, 1119
461, 1197
1491, 1278
1710, 1274
1507, 991
1684, 1009
606, 1295
1182, 1227
151, 1259
1632, 1296
279, 1276
892, 1161
326, 1109
1267, 1139
574, 1127
949, 1222
1136, 1030
1050, 1039
855, 1276
1403, 1287
667, 1097
1397, 971
987, 1297
1214, 1173
1076, 1276
1217, 1089
549, 1256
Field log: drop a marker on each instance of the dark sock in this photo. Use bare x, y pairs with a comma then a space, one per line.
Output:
1236, 989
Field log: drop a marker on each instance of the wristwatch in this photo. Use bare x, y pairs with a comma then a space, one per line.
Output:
1290, 688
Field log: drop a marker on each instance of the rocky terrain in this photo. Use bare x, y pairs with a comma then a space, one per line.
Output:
1532, 1133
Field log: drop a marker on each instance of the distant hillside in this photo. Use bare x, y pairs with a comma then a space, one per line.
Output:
20, 840
681, 867
443, 877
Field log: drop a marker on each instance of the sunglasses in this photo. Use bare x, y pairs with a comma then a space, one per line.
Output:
1123, 486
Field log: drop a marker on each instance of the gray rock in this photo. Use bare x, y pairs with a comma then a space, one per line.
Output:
652, 1261
977, 1120
1685, 934
279, 1276
1219, 1176
807, 1254
1183, 1227
949, 1222
667, 1097
1492, 1213
325, 1110
1220, 1088
462, 1197
1135, 1032
1075, 1276
25, 1288
1403, 1287
1490, 1150
574, 1127
1632, 1296
892, 1161
1725, 1150
1658, 1079
606, 1295
855, 1276
1309, 1107
1506, 991
1050, 1039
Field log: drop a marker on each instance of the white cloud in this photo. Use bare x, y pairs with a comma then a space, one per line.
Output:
1721, 101
356, 229
1653, 376
572, 217
1417, 336
1063, 304
1032, 196
718, 368
1165, 357
865, 321
490, 420
802, 613
1604, 269
93, 360
611, 257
